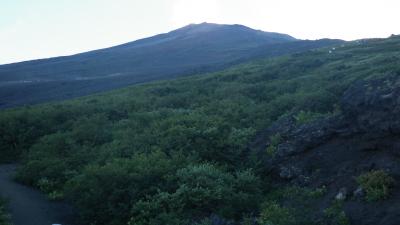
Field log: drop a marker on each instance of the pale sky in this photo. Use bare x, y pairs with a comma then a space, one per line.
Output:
32, 29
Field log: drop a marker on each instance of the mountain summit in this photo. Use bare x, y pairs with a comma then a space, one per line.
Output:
234, 32
192, 49
219, 35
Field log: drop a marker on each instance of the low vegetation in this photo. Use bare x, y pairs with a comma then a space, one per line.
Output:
275, 214
335, 215
174, 152
274, 141
290, 205
4, 217
377, 184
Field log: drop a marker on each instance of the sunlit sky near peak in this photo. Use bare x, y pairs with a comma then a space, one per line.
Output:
31, 29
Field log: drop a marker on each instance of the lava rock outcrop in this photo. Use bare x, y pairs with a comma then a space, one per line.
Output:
331, 152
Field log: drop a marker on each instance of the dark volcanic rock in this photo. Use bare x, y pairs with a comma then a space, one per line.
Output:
331, 152
374, 106
369, 108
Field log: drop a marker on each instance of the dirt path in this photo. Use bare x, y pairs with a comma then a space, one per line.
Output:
30, 207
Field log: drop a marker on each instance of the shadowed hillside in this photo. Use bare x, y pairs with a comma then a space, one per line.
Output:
189, 50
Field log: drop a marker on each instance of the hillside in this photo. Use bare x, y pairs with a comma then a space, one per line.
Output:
215, 148
189, 50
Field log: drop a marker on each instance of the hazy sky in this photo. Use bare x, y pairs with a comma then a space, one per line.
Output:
31, 29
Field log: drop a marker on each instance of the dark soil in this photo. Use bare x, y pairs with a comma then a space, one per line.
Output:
30, 207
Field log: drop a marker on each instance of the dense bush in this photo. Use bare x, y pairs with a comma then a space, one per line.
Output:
335, 215
176, 151
201, 190
106, 193
377, 184
291, 205
274, 214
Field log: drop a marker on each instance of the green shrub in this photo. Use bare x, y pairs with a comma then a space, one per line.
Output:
203, 190
335, 215
4, 217
55, 195
274, 141
299, 204
274, 214
304, 117
49, 188
107, 192
377, 184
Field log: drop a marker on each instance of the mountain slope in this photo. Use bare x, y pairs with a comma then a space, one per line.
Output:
181, 151
189, 50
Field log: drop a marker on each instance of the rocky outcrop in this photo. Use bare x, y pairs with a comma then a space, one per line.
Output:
331, 152
369, 109
373, 107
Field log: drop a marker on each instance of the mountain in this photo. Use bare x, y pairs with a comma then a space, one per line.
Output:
189, 50
310, 138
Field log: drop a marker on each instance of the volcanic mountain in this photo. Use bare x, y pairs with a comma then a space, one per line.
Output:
193, 49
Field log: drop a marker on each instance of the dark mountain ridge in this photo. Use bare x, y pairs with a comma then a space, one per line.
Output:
195, 48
